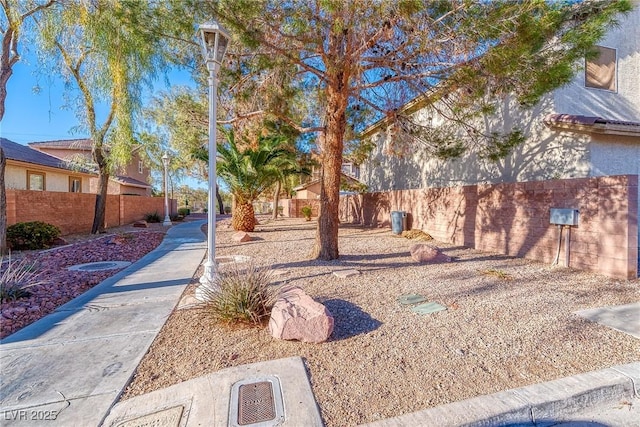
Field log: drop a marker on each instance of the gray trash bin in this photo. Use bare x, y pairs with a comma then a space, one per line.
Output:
398, 221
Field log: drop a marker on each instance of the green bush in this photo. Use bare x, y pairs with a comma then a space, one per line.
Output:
306, 211
153, 217
31, 235
16, 277
183, 211
175, 218
240, 294
227, 210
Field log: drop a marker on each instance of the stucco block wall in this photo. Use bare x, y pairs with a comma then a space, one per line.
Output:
291, 207
73, 212
513, 219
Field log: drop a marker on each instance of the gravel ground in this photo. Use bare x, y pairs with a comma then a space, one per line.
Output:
509, 323
61, 285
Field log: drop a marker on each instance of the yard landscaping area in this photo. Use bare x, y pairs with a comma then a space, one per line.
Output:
58, 285
509, 323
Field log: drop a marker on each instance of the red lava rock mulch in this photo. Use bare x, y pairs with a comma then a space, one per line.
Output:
62, 285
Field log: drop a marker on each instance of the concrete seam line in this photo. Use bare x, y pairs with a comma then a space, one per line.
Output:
633, 383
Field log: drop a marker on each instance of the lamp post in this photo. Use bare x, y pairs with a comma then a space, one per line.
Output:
215, 40
165, 162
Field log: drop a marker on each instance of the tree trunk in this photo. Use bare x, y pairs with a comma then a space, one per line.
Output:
244, 218
3, 205
326, 244
101, 204
219, 197
276, 199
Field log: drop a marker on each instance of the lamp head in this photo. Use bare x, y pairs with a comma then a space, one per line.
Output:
215, 40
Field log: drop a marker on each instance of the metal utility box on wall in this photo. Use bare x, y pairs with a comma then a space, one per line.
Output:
564, 216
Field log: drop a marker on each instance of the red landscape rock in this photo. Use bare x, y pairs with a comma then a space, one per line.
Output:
424, 253
296, 316
241, 236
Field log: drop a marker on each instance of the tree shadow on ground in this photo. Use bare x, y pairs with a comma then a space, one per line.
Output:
350, 320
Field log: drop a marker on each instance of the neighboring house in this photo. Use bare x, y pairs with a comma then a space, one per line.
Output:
311, 189
29, 169
130, 180
588, 128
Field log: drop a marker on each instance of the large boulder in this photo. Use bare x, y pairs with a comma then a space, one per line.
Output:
424, 253
296, 316
241, 236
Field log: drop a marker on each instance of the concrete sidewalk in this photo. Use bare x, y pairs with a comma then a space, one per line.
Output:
69, 367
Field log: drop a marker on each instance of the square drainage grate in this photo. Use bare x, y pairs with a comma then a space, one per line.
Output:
256, 403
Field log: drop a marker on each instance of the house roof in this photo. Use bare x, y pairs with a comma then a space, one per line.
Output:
22, 153
315, 181
81, 144
76, 144
592, 124
125, 180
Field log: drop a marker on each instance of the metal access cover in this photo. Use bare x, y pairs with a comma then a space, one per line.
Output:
99, 266
256, 403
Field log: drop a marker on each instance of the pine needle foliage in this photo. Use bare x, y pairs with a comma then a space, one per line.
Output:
241, 295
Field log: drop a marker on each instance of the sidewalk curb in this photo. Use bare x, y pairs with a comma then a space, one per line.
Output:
543, 404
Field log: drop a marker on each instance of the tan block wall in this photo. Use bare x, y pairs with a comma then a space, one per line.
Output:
513, 219
291, 207
73, 212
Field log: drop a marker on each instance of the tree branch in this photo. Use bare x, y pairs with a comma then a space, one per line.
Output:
241, 117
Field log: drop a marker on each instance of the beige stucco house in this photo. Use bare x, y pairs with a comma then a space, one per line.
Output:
588, 128
28, 169
130, 180
311, 189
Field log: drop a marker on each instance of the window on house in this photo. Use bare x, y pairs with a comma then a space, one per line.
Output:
75, 185
139, 166
600, 72
35, 181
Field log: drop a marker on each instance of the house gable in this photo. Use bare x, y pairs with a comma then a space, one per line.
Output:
566, 132
131, 179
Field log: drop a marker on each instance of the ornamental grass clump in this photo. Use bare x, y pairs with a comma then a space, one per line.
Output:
241, 295
16, 277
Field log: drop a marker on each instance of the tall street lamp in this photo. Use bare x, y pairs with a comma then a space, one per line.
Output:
215, 40
165, 162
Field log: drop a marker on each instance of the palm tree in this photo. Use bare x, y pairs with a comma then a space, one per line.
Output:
251, 171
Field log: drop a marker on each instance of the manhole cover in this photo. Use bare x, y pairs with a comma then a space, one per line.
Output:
256, 403
99, 266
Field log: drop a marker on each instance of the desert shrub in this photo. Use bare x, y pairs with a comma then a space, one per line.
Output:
175, 218
183, 211
306, 211
153, 217
240, 294
16, 277
31, 235
227, 210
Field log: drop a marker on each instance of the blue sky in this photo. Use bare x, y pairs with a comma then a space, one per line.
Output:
41, 115
31, 116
